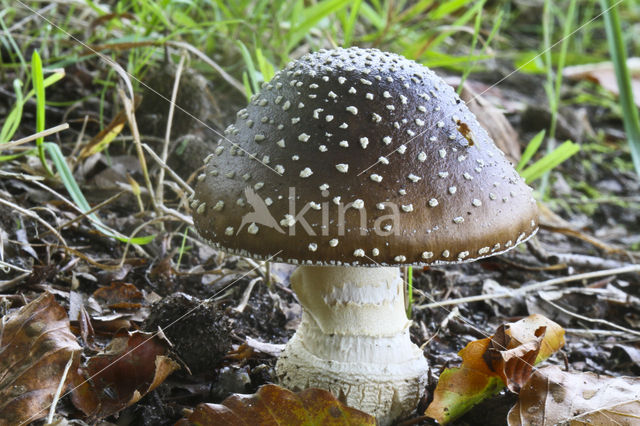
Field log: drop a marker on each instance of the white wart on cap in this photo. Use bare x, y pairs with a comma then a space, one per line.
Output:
362, 157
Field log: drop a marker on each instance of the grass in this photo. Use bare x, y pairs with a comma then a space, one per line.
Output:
251, 39
617, 46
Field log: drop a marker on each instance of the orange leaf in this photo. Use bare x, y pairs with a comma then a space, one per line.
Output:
273, 405
504, 359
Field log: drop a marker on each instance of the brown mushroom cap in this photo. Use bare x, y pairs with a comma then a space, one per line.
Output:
378, 157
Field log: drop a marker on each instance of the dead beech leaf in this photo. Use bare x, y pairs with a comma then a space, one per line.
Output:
604, 74
488, 365
105, 137
35, 346
120, 295
491, 118
274, 405
129, 368
552, 396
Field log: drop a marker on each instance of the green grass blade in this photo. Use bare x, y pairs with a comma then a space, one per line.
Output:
38, 87
310, 17
630, 114
76, 195
531, 149
12, 122
266, 69
549, 161
350, 23
251, 68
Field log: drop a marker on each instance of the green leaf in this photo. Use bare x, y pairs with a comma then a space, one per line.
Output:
76, 195
310, 17
549, 161
531, 149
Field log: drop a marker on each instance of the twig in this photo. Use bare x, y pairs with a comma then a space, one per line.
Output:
9, 284
246, 295
595, 332
232, 81
34, 216
532, 287
44, 133
164, 165
133, 124
582, 317
167, 135
56, 396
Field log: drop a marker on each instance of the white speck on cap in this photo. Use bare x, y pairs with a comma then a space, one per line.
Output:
427, 255
443, 174
452, 190
407, 207
364, 141
228, 230
303, 137
422, 156
342, 167
375, 252
376, 117
328, 118
353, 110
279, 169
333, 242
463, 254
219, 206
414, 178
433, 202
386, 94
322, 148
358, 204
306, 172
358, 253
400, 258
386, 140
253, 228
288, 220
376, 178
476, 203
383, 160
336, 200
458, 219
313, 247
402, 149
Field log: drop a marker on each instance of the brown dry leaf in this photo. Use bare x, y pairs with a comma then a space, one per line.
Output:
504, 359
120, 295
604, 74
105, 137
491, 118
552, 396
273, 405
35, 346
129, 368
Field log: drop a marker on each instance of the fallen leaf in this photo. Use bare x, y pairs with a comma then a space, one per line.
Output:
35, 345
105, 137
605, 75
120, 295
491, 118
488, 365
552, 396
129, 368
274, 405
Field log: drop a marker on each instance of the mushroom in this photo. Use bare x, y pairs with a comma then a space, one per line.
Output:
351, 163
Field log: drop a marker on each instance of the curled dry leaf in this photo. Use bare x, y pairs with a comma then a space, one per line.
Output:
505, 359
120, 295
129, 368
35, 346
552, 396
274, 405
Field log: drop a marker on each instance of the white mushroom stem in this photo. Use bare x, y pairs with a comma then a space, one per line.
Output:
354, 340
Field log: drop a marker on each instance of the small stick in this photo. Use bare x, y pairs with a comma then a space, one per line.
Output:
44, 133
532, 287
56, 396
246, 295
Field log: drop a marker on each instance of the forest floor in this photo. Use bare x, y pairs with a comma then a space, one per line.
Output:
590, 223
